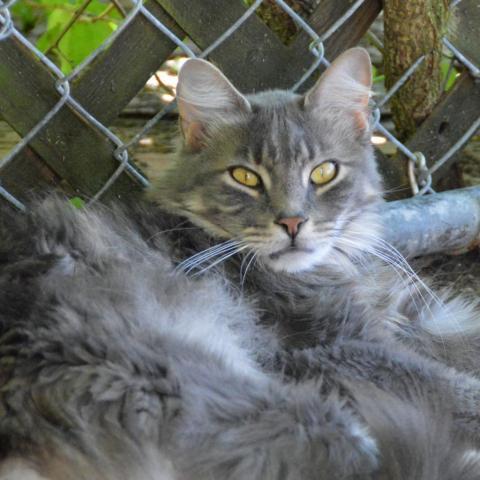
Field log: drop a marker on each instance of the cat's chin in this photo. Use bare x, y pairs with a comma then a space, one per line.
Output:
295, 260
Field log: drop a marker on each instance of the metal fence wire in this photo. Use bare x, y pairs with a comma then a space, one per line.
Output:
420, 175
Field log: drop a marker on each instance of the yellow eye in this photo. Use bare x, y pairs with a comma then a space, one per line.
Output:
245, 177
324, 173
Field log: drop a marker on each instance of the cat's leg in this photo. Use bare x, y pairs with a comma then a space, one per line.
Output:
208, 421
231, 427
395, 369
416, 439
88, 422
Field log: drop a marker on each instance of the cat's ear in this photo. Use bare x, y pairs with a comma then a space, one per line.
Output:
205, 96
345, 86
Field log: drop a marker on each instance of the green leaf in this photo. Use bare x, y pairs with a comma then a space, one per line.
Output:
77, 202
25, 15
452, 75
56, 21
85, 35
82, 39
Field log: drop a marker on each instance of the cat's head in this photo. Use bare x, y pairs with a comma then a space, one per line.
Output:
291, 176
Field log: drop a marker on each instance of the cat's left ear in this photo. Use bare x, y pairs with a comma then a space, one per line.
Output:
205, 96
345, 87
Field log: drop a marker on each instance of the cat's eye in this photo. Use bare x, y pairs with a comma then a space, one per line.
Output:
324, 173
245, 177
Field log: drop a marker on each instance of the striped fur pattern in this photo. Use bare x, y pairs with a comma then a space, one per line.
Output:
187, 342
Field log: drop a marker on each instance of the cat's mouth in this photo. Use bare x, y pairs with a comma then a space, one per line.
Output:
295, 258
289, 250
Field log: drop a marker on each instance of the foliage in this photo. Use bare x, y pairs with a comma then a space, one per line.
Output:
70, 29
77, 202
449, 74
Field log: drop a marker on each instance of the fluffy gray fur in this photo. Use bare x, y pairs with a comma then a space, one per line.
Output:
200, 341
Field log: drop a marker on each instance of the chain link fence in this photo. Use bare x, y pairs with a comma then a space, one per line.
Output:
420, 175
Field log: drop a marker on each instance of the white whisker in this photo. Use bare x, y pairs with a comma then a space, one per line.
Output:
380, 248
205, 253
242, 280
221, 259
211, 255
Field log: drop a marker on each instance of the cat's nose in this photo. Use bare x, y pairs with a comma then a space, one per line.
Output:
291, 224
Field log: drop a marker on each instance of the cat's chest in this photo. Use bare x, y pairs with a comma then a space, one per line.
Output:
307, 314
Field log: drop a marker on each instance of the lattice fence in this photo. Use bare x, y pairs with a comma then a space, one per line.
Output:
64, 119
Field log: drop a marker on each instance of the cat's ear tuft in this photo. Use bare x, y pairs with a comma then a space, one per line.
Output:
205, 96
345, 86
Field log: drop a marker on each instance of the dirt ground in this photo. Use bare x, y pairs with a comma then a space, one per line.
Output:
460, 272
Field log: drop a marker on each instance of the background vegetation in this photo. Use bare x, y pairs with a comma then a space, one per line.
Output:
68, 30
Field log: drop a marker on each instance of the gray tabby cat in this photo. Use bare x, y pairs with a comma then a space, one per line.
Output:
251, 328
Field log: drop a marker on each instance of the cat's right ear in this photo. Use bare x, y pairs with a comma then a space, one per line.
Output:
345, 87
205, 96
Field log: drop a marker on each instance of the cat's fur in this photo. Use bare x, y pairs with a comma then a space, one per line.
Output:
124, 356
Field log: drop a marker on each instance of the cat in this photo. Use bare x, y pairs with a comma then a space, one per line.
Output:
247, 327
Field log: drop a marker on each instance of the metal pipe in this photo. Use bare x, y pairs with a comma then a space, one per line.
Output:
443, 222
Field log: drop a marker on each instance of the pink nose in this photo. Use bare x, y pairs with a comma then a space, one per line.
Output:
291, 224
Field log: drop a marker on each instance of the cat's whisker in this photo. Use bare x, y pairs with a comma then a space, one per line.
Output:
438, 301
169, 230
413, 283
403, 261
211, 255
392, 262
395, 255
355, 244
252, 260
411, 287
244, 260
396, 190
221, 259
386, 252
409, 282
205, 253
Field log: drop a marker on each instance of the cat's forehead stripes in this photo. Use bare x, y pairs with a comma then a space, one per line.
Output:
278, 136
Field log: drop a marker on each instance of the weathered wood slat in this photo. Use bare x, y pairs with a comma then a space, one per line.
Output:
253, 46
450, 119
349, 34
466, 32
83, 157
256, 47
457, 111
28, 174
71, 147
119, 73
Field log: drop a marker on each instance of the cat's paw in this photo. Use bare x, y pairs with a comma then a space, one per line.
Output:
338, 440
148, 407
